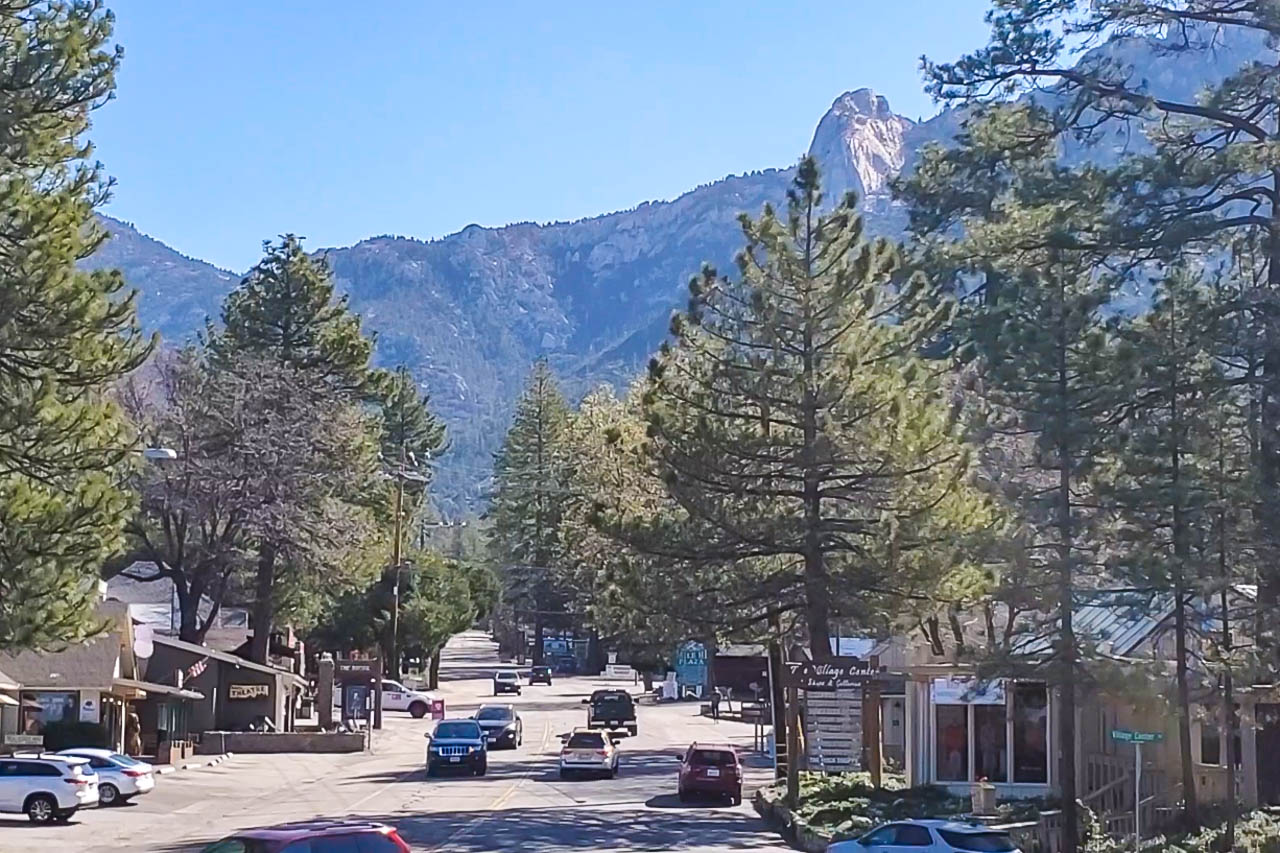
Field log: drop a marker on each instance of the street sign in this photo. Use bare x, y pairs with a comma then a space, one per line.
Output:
23, 740
829, 675
1125, 736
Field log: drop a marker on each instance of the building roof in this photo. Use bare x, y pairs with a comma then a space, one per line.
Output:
7, 683
152, 687
91, 665
225, 657
133, 591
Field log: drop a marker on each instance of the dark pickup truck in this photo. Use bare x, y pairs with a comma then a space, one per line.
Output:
611, 710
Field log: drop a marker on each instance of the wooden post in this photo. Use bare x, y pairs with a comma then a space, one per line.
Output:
793, 747
377, 693
872, 729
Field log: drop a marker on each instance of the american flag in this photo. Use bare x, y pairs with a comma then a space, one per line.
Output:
196, 668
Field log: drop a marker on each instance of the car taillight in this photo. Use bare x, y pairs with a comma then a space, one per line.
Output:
602, 752
75, 780
136, 773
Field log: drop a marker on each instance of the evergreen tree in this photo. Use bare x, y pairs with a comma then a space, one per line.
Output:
1204, 182
1004, 218
806, 445
529, 474
409, 427
65, 335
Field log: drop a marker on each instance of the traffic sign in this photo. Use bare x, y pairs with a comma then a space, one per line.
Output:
1126, 736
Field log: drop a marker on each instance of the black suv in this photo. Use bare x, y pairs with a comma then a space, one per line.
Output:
540, 675
611, 710
458, 745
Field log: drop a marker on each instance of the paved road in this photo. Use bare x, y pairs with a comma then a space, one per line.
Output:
520, 805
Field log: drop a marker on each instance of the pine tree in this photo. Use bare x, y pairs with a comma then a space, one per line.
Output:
528, 503
408, 425
1002, 218
65, 335
284, 313
806, 444
1204, 182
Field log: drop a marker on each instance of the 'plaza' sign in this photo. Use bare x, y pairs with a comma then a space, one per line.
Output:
829, 675
247, 691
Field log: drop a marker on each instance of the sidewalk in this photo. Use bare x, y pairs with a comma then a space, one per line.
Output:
193, 764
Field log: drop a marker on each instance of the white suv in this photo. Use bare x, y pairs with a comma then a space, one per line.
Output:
47, 787
397, 697
929, 836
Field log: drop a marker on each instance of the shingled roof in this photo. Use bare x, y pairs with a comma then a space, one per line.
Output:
91, 665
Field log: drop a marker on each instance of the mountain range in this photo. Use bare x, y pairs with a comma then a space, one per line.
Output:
469, 312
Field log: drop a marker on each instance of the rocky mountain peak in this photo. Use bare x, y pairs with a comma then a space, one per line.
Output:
860, 144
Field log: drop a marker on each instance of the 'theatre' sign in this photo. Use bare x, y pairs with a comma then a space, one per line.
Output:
830, 675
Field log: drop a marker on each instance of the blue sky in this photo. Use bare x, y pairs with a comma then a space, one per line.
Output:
239, 120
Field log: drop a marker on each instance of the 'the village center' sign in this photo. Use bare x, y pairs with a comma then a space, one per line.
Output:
829, 675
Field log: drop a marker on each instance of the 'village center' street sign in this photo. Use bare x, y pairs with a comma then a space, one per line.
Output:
830, 675
1125, 736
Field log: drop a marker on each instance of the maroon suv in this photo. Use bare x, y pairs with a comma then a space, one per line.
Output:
711, 769
329, 836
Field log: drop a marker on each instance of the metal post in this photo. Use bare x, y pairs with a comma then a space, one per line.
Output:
394, 646
377, 694
1137, 795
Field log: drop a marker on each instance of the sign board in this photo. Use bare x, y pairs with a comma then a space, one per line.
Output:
355, 702
23, 740
247, 691
349, 669
90, 707
966, 691
1125, 736
691, 664
829, 675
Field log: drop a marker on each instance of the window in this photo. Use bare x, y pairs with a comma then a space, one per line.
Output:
990, 743
377, 842
239, 845
712, 758
979, 842
910, 835
1211, 744
880, 837
459, 729
495, 714
1030, 733
952, 744
393, 687
586, 740
41, 709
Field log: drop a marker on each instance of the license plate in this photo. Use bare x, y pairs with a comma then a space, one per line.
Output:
614, 723
454, 759
713, 773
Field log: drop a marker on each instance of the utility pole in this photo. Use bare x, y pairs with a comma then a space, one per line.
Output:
394, 663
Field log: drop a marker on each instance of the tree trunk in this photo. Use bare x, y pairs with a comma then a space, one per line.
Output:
538, 629
433, 671
1181, 552
188, 614
1066, 652
264, 605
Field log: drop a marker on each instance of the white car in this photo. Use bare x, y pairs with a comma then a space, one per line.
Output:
47, 787
507, 681
929, 836
397, 697
589, 751
120, 778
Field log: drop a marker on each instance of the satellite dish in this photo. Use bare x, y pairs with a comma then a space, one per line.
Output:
142, 641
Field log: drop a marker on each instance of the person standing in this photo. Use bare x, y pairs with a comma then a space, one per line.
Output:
715, 704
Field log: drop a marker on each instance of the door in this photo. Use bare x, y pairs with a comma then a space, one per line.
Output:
1267, 748
394, 696
9, 785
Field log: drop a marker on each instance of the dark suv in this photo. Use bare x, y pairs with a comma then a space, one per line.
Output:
711, 769
457, 745
612, 710
540, 675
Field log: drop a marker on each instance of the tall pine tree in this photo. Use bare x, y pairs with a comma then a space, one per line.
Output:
803, 439
65, 335
530, 478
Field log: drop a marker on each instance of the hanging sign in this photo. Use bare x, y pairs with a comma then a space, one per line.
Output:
967, 691
830, 675
247, 691
1125, 736
90, 707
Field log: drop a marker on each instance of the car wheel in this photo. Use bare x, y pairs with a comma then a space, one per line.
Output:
431, 770
613, 772
41, 808
565, 774
737, 798
108, 794
418, 710
482, 768
633, 730
683, 795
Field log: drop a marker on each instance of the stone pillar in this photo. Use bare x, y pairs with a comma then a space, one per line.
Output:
324, 693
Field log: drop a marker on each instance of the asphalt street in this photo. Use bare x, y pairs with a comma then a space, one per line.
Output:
521, 804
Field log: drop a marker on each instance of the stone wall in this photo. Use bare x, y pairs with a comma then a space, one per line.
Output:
216, 743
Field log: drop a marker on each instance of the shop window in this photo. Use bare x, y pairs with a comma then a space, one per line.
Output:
1030, 733
41, 709
990, 743
952, 746
1211, 744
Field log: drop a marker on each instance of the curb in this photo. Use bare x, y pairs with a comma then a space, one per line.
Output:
165, 769
792, 829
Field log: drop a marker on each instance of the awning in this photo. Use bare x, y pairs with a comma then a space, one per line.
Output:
145, 687
6, 699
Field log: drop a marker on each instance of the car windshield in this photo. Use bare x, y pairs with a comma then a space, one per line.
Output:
506, 676
586, 740
494, 714
613, 703
541, 670
979, 842
458, 729
712, 758
124, 759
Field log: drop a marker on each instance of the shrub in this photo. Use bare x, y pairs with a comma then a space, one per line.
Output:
65, 735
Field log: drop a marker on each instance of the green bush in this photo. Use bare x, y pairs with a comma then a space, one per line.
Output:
66, 735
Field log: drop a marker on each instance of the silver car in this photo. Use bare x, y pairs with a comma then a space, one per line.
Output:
120, 778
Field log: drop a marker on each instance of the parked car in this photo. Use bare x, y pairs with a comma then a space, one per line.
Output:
611, 710
507, 681
47, 787
929, 836
362, 836
457, 745
540, 675
397, 697
120, 778
588, 751
501, 724
710, 769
